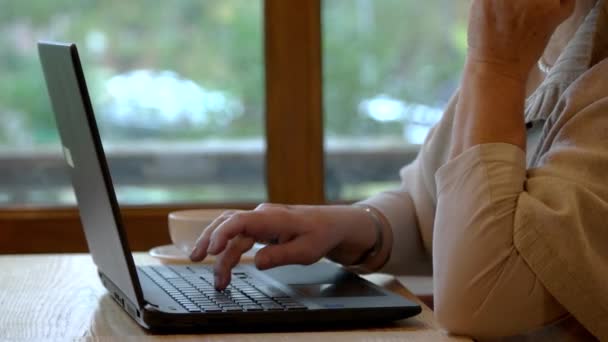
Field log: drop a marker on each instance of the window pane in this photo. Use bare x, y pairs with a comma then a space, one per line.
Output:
177, 87
390, 66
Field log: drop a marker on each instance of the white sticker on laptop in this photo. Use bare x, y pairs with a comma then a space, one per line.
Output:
68, 156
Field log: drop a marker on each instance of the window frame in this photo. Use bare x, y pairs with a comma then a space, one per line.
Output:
294, 140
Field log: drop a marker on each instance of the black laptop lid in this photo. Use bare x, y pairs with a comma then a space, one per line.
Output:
91, 179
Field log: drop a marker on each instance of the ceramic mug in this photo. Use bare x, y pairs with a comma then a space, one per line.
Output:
186, 226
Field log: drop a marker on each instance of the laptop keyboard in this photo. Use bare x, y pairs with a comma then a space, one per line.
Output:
192, 287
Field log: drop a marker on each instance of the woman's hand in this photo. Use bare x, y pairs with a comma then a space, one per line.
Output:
295, 235
510, 36
506, 39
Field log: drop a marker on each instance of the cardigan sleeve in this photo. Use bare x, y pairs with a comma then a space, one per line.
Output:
410, 209
408, 253
528, 243
479, 277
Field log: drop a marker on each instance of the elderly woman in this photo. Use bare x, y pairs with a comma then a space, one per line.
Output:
506, 203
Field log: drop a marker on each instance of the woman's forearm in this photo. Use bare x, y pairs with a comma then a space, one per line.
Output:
505, 41
490, 109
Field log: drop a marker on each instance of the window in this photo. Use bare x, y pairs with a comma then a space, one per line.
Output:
177, 87
204, 103
390, 67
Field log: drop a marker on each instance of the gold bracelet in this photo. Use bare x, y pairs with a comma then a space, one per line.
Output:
378, 244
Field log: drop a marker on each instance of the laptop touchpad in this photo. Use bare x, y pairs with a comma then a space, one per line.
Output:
322, 280
341, 289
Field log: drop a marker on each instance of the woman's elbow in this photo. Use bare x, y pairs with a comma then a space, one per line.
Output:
458, 319
495, 315
475, 313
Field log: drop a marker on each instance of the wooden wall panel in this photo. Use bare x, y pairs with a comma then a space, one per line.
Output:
60, 231
294, 120
294, 129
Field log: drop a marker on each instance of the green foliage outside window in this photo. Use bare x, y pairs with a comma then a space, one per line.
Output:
409, 50
217, 44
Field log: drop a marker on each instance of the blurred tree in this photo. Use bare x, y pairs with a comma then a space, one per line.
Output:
217, 44
407, 49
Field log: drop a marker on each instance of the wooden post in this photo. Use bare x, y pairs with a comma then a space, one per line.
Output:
294, 120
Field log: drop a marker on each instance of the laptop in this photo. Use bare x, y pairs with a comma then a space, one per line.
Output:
182, 297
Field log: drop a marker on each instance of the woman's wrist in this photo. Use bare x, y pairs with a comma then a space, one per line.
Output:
375, 257
500, 71
374, 250
357, 233
362, 232
490, 108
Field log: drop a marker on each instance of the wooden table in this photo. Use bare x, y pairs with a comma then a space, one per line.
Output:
59, 296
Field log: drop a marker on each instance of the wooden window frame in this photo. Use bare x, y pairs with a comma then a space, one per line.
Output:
294, 137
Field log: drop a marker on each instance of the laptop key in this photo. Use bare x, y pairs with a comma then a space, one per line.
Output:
217, 296
188, 289
209, 304
205, 288
165, 272
224, 301
267, 304
198, 296
202, 300
280, 308
252, 307
271, 306
296, 308
182, 271
237, 296
244, 300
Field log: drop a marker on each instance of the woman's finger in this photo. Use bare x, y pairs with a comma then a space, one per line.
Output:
267, 225
199, 251
229, 258
299, 251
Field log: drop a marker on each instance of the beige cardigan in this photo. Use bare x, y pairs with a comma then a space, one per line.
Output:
529, 232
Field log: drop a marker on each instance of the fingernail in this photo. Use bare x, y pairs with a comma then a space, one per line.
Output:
217, 281
194, 253
262, 261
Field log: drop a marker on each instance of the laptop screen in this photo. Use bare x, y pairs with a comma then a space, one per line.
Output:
88, 168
